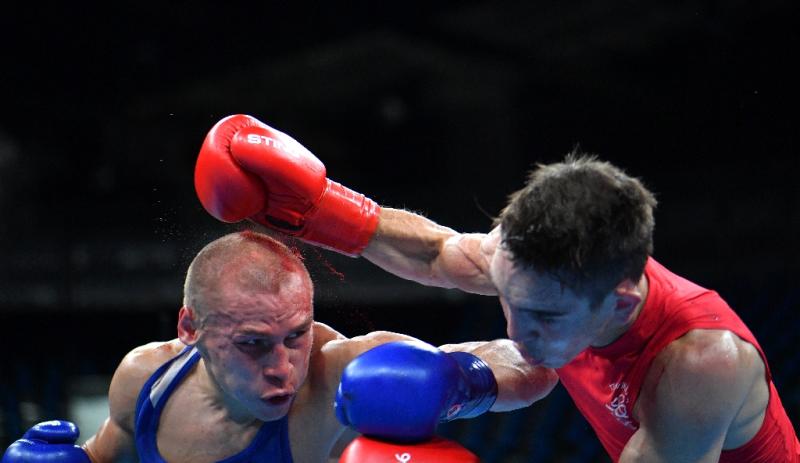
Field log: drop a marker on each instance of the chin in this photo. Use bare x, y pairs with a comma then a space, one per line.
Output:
272, 414
552, 365
553, 362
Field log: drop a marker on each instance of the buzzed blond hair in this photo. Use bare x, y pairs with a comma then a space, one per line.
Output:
252, 261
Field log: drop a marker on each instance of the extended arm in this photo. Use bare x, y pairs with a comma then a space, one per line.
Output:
519, 383
247, 170
54, 440
115, 438
401, 390
415, 248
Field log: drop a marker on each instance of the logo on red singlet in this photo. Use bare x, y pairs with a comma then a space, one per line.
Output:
402, 457
620, 403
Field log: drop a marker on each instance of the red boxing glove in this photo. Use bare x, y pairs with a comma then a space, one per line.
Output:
248, 170
437, 450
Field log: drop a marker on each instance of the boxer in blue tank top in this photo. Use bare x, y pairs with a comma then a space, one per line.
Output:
253, 378
271, 443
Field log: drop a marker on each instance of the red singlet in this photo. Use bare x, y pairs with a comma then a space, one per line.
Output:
605, 382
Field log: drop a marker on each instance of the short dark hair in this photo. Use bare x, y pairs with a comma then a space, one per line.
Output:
582, 221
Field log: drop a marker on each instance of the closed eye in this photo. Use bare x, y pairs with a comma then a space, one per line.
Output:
251, 342
295, 337
542, 316
545, 318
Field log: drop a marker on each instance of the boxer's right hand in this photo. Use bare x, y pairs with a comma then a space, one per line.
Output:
401, 390
436, 450
248, 170
49, 441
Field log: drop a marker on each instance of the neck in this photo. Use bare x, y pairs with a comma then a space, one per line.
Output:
218, 400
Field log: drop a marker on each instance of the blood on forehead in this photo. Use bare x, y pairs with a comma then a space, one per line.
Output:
258, 269
257, 282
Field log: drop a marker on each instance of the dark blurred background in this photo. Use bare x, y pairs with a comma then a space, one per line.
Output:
438, 107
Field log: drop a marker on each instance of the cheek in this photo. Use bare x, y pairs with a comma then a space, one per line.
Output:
516, 328
299, 359
562, 335
577, 335
234, 368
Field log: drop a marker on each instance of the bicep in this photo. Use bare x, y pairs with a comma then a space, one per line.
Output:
111, 442
689, 401
115, 438
336, 353
673, 443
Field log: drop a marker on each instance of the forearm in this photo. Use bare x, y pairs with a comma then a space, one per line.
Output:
111, 443
519, 384
408, 245
416, 248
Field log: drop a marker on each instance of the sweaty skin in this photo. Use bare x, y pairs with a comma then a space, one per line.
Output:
706, 392
199, 426
248, 310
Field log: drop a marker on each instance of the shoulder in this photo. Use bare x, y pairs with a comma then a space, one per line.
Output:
716, 354
703, 375
143, 361
332, 351
330, 354
131, 374
339, 350
323, 334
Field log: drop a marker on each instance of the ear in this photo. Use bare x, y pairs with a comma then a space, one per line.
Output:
628, 296
187, 326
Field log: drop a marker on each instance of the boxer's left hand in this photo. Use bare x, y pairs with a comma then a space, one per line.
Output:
49, 441
402, 390
436, 450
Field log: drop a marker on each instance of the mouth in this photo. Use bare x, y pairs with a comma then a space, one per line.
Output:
280, 399
534, 361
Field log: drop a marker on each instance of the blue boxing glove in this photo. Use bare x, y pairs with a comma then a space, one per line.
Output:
49, 441
402, 390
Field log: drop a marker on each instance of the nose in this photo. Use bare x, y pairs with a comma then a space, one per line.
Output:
526, 336
528, 340
278, 368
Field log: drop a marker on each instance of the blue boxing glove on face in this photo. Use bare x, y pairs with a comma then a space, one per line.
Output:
402, 390
49, 441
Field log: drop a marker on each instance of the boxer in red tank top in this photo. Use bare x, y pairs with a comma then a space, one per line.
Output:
606, 382
663, 370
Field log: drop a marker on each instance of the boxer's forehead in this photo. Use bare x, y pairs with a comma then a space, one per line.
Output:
256, 319
522, 286
294, 289
234, 306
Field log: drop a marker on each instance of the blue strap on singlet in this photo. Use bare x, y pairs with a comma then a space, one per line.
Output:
271, 443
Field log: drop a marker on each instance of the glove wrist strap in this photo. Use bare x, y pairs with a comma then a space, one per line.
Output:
343, 222
479, 389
